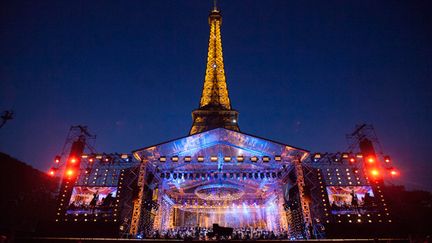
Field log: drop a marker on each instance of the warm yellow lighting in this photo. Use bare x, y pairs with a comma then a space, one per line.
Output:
215, 73
375, 172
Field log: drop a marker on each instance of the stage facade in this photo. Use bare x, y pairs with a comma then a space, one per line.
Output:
221, 176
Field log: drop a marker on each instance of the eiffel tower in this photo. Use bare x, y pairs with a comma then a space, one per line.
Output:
215, 108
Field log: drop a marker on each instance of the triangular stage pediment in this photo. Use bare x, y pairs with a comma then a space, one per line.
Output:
219, 142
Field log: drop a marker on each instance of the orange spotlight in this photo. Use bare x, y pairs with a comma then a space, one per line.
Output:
73, 160
57, 159
394, 172
91, 160
69, 172
371, 160
352, 160
375, 172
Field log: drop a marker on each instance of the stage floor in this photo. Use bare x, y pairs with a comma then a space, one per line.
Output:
81, 240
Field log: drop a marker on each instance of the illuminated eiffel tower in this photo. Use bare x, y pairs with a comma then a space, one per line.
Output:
215, 108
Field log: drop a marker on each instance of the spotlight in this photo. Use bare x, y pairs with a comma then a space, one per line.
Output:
174, 158
352, 160
371, 160
254, 159
227, 159
316, 157
359, 155
73, 160
162, 159
187, 159
69, 172
335, 159
52, 172
345, 155
375, 172
394, 172
240, 158
278, 158
200, 158
265, 159
57, 159
387, 159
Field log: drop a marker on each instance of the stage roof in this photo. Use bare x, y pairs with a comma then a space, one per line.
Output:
220, 142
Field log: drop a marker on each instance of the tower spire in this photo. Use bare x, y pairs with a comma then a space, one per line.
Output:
215, 8
215, 92
215, 107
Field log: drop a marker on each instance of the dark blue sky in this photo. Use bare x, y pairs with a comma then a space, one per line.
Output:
299, 72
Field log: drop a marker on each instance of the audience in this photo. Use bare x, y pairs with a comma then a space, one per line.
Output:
201, 233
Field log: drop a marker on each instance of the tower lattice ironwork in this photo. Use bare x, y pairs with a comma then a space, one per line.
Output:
215, 107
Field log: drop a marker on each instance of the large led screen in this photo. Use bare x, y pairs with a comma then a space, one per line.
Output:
350, 199
92, 200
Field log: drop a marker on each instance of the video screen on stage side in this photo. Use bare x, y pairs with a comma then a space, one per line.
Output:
350, 199
92, 200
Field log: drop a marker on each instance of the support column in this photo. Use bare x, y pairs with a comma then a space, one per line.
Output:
137, 204
304, 202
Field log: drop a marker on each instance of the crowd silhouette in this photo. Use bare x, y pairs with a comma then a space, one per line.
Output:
203, 233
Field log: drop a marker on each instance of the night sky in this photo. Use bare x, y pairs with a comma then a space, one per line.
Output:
300, 72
